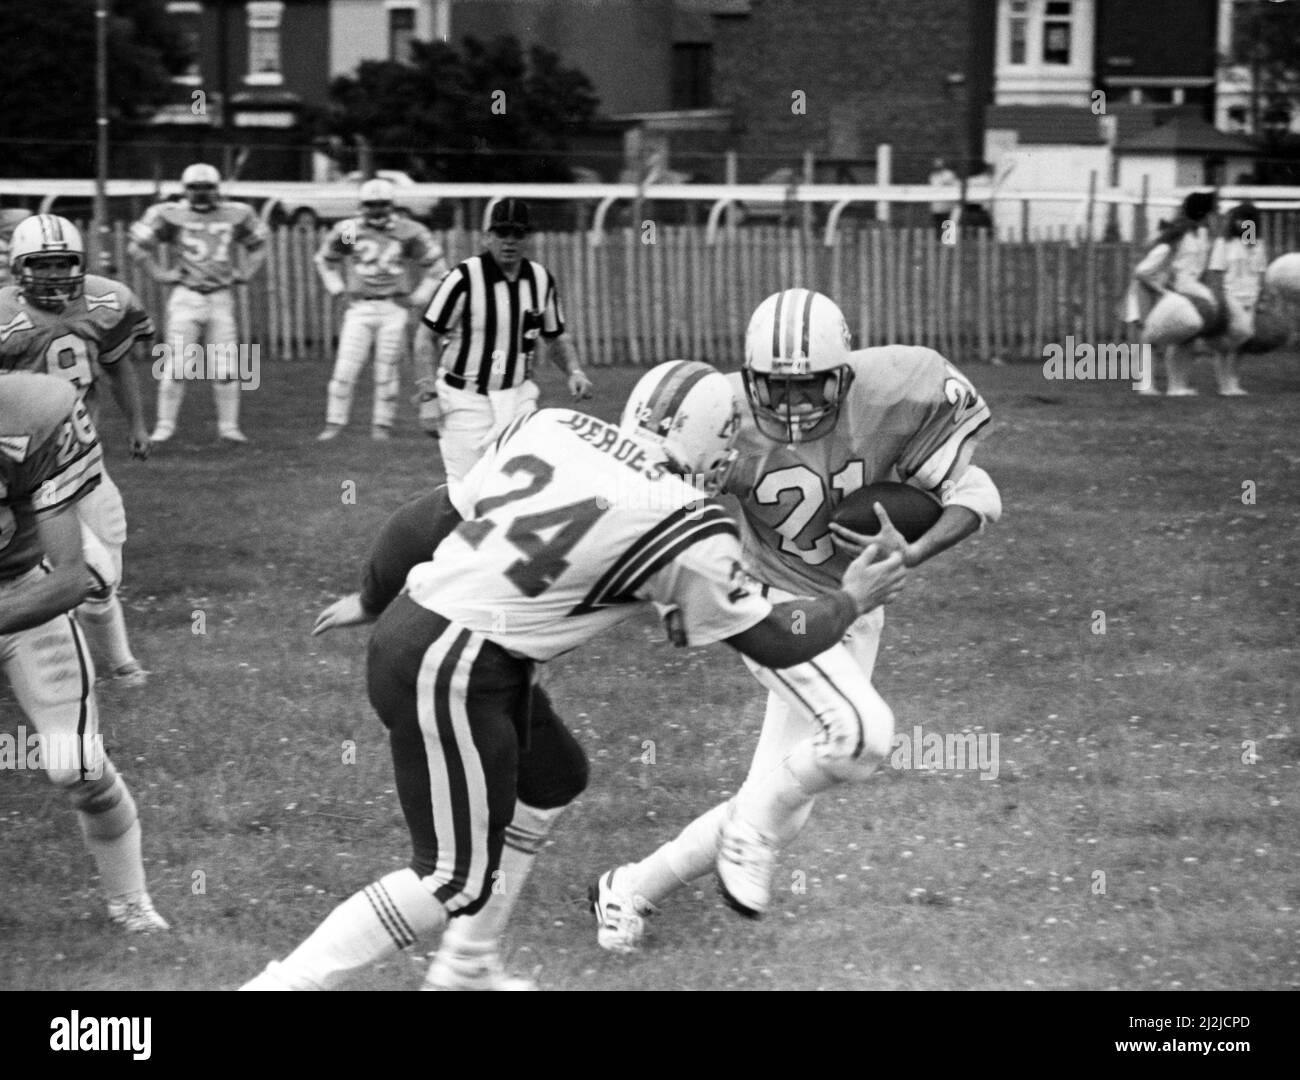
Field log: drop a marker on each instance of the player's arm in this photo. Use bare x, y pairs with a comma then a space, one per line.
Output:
146, 237
796, 631
329, 262
252, 236
706, 596
409, 538
125, 388
59, 591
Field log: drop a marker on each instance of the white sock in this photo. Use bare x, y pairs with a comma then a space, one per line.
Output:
688, 856
112, 836
226, 396
170, 392
390, 914
779, 803
479, 934
104, 625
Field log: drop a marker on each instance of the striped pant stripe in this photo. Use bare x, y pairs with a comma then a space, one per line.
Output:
458, 786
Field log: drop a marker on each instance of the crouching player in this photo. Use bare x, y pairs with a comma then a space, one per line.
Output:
49, 460
537, 566
821, 422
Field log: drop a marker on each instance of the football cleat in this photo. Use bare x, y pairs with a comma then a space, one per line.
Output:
331, 432
131, 675
162, 434
234, 435
746, 862
380, 434
136, 915
620, 917
458, 971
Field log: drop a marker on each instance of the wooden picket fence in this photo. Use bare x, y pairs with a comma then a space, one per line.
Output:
641, 296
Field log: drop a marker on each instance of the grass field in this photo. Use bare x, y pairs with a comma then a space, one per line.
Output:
1131, 839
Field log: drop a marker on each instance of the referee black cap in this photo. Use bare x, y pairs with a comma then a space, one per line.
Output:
507, 212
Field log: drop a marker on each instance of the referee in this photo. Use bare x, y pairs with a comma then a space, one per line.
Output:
485, 319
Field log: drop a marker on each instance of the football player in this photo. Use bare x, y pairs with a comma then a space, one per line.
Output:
58, 319
534, 564
377, 250
821, 422
202, 232
50, 460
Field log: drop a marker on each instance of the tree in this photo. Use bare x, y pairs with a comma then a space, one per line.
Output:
1266, 44
47, 80
488, 111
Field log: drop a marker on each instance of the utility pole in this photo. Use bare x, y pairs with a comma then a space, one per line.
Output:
99, 247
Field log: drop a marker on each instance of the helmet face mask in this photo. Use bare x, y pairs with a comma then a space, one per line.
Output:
52, 281
796, 371
201, 183
377, 213
48, 261
201, 196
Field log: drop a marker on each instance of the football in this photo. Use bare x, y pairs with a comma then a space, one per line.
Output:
912, 511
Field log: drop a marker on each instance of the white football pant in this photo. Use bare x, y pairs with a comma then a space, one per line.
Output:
367, 324
195, 318
470, 421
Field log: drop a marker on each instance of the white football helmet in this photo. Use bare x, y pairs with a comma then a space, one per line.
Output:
48, 260
687, 409
202, 185
797, 365
1283, 276
377, 201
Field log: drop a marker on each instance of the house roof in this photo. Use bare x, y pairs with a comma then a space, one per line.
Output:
1053, 124
1182, 134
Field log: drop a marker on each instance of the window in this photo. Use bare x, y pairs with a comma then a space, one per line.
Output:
1019, 39
692, 76
186, 18
264, 42
1056, 32
401, 32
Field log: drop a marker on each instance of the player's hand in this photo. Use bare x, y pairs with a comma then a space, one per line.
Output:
346, 611
579, 386
888, 538
873, 580
141, 446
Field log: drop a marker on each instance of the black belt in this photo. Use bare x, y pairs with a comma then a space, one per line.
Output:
459, 382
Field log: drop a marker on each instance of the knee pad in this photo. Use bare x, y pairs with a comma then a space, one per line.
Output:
105, 805
855, 740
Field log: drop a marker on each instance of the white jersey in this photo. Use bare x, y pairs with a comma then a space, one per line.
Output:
568, 526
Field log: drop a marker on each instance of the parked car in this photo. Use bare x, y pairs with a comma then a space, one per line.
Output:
310, 205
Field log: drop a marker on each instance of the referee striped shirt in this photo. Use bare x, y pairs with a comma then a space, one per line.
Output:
491, 323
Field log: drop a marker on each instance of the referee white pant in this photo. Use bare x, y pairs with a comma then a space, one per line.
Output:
378, 325
470, 421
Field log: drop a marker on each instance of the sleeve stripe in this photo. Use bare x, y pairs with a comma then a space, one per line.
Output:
90, 484
144, 330
629, 570
682, 541
935, 469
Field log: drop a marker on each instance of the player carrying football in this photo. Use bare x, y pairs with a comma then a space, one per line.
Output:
377, 252
822, 422
60, 320
538, 564
50, 461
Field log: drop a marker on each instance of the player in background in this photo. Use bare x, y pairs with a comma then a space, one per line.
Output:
9, 219
821, 422
377, 251
201, 233
1238, 260
50, 460
452, 659
58, 319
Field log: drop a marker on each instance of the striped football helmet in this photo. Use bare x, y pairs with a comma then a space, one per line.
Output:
48, 261
202, 184
687, 409
796, 365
